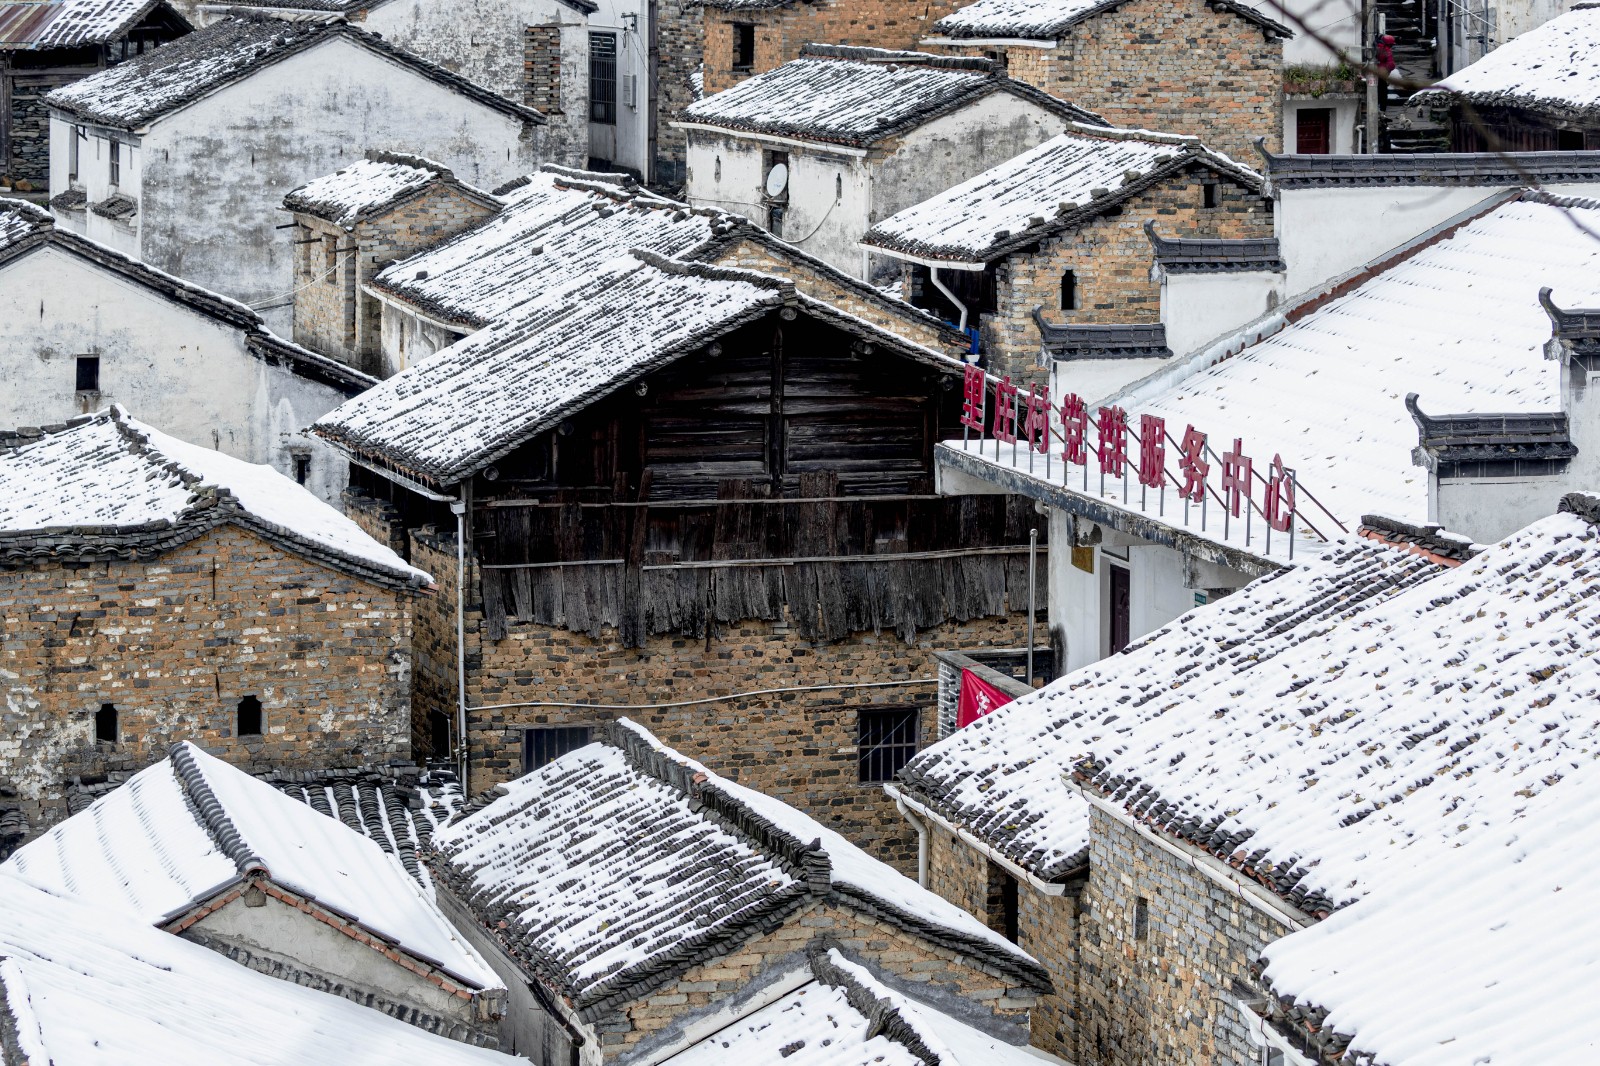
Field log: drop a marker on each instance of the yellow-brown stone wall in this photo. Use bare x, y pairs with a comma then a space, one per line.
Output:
857, 935
175, 643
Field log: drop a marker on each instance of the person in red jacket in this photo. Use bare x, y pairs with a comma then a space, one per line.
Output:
1385, 63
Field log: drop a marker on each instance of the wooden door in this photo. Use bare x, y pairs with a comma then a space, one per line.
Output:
1121, 607
1313, 130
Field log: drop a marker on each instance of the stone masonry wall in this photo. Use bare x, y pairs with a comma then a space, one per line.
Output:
175, 643
938, 975
1171, 67
680, 40
749, 255
781, 32
1111, 258
541, 65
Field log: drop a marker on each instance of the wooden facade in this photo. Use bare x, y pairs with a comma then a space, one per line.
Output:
1514, 129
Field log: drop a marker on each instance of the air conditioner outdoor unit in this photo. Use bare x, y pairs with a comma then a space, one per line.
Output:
630, 90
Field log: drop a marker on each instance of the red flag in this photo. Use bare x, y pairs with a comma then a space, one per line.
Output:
976, 699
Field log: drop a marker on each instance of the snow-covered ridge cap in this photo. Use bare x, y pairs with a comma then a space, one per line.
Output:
213, 817
116, 488
374, 185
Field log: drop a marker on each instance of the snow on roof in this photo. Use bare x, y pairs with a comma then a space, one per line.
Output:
107, 477
147, 87
1063, 181
185, 827
471, 403
558, 230
1049, 19
1457, 321
857, 103
88, 986
368, 187
621, 860
847, 1017
1549, 68
32, 25
400, 819
1002, 777
20, 220
1481, 954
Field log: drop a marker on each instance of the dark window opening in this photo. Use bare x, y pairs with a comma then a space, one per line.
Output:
1141, 919
775, 216
886, 741
1208, 194
249, 717
1569, 140
1313, 130
1069, 290
540, 747
1001, 902
438, 734
88, 373
105, 723
74, 152
1121, 607
330, 260
116, 163
302, 468
744, 45
603, 78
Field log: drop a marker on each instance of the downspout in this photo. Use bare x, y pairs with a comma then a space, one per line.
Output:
933, 275
922, 839
459, 508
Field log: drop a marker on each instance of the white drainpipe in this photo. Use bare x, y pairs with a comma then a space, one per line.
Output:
933, 274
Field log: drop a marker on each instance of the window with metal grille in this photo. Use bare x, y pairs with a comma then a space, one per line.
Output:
885, 741
744, 45
88, 373
543, 746
603, 78
116, 163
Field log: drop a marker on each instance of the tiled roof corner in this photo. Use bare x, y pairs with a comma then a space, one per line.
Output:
1521, 438
1050, 19
118, 208
1570, 325
1510, 169
33, 26
1431, 541
209, 812
1081, 342
1189, 255
899, 57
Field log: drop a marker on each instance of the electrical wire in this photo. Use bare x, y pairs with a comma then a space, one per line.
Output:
706, 699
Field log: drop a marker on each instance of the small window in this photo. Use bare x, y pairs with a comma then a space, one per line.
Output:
105, 723
302, 468
1001, 902
603, 78
744, 45
1569, 140
330, 260
88, 376
116, 162
1069, 290
1141, 919
249, 717
1208, 194
72, 152
541, 747
886, 741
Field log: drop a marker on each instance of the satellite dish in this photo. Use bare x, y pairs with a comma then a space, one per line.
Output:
777, 179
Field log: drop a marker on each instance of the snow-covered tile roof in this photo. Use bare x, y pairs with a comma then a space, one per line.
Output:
400, 818
1049, 19
558, 230
623, 859
1384, 741
1482, 954
848, 1017
1457, 321
1061, 183
86, 985
369, 187
190, 824
107, 484
145, 88
1549, 68
476, 400
20, 220
36, 25
859, 102
1002, 777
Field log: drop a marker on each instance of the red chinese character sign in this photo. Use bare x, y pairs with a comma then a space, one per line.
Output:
1279, 506
1113, 450
1192, 464
1236, 475
1036, 427
976, 699
1074, 430
1152, 450
972, 400
1004, 427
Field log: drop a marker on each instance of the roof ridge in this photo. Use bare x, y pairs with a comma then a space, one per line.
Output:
209, 812
714, 272
701, 787
869, 54
884, 1017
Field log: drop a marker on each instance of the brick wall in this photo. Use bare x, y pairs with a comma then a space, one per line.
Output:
175, 643
541, 66
1162, 999
1172, 67
1111, 258
335, 315
815, 283
781, 32
680, 39
936, 973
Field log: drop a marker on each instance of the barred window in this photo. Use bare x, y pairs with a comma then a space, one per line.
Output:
886, 740
603, 78
543, 746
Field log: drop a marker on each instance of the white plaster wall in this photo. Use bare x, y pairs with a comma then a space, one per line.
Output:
1345, 114
725, 173
1513, 18
626, 144
1490, 509
1099, 379
178, 370
407, 339
1198, 308
94, 178
215, 173
1335, 22
482, 40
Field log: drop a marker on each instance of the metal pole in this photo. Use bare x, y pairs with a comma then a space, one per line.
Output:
459, 506
1033, 559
